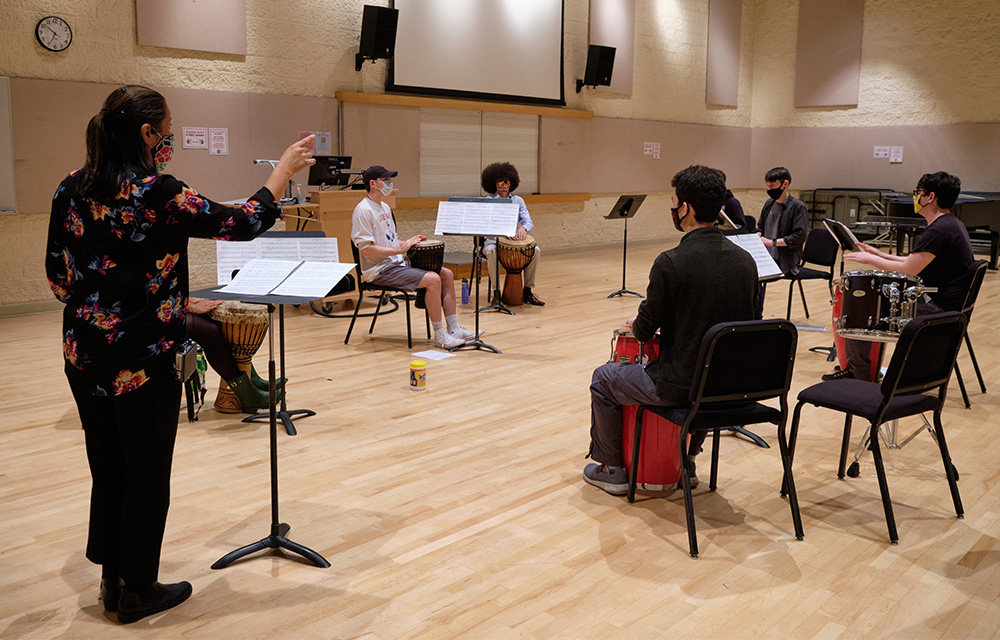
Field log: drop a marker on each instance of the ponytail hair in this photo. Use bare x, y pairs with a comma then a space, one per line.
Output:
115, 148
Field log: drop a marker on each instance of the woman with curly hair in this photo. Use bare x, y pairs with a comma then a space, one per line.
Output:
117, 257
499, 180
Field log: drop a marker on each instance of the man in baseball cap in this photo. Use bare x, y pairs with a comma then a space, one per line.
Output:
383, 259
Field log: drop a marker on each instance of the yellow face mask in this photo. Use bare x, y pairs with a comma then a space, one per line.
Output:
916, 204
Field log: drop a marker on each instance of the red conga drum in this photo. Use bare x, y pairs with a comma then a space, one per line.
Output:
659, 464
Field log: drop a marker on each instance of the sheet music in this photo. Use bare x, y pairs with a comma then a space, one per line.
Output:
233, 255
842, 233
767, 268
481, 218
312, 279
258, 277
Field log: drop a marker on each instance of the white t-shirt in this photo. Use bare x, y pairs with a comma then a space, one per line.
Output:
371, 223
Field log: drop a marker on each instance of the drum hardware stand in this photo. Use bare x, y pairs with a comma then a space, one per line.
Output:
624, 209
476, 343
479, 254
284, 414
749, 435
279, 530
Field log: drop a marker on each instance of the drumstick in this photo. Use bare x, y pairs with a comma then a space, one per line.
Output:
288, 215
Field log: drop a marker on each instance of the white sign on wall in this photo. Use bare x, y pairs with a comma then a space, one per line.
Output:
218, 142
896, 155
194, 137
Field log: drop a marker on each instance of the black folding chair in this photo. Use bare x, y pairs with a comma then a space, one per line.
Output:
385, 293
820, 248
922, 362
723, 395
973, 283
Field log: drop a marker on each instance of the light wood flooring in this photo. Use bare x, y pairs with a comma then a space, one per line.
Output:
460, 512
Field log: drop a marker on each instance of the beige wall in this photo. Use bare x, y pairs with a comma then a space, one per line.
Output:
929, 81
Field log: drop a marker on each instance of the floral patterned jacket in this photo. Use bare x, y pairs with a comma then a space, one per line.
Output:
121, 268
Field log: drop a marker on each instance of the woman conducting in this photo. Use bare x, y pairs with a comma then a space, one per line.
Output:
117, 257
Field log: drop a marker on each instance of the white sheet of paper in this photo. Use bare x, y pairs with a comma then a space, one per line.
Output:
312, 279
233, 255
433, 355
752, 244
259, 277
481, 218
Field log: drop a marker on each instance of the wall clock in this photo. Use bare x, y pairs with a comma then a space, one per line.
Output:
53, 33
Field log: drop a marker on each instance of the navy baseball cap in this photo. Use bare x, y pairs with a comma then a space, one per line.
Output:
377, 171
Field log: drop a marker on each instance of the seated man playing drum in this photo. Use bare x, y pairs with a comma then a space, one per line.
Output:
942, 258
704, 280
498, 181
373, 231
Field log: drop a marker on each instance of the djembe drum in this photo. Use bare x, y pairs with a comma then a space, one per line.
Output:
514, 255
244, 327
429, 256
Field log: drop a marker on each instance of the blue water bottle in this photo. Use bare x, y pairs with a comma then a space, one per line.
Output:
465, 291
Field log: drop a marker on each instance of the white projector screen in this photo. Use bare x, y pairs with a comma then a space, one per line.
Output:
495, 49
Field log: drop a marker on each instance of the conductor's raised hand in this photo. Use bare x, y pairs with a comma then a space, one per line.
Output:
298, 156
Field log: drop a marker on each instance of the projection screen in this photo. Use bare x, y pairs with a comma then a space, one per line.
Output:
492, 49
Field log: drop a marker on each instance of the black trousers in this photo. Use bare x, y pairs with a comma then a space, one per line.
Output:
130, 446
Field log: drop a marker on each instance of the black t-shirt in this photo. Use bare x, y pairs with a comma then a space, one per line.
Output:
947, 240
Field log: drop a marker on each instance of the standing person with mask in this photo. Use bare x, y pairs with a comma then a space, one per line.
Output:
383, 259
704, 280
499, 180
783, 225
117, 257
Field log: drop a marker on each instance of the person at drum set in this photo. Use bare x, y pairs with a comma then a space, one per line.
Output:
704, 280
116, 256
373, 232
500, 180
941, 258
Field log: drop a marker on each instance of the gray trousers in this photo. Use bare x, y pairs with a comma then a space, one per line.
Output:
616, 384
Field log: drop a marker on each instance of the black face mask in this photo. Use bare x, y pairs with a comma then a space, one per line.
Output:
774, 194
674, 216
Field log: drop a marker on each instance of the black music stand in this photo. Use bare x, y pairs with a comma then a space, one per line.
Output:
624, 209
478, 241
277, 538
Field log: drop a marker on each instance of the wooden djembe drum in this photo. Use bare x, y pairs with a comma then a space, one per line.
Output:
514, 255
244, 327
429, 256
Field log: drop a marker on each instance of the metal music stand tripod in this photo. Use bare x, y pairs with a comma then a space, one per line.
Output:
279, 530
476, 343
625, 208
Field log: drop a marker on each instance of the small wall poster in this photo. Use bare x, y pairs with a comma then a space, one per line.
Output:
218, 142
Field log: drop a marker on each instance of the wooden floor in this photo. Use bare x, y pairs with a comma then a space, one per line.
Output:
460, 512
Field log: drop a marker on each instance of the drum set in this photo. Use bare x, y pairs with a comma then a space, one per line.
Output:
875, 305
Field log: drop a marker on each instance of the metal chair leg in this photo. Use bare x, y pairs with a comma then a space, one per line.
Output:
975, 363
949, 467
802, 293
883, 487
354, 318
844, 445
636, 443
961, 386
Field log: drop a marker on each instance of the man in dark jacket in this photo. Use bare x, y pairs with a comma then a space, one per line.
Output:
704, 280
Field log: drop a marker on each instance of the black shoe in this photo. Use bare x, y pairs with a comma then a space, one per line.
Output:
530, 298
111, 591
135, 605
838, 374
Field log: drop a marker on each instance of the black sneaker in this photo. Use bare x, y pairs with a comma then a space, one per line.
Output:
838, 374
614, 480
135, 605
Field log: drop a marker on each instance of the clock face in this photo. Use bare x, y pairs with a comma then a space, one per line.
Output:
53, 33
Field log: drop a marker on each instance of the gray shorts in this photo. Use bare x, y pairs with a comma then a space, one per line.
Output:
400, 276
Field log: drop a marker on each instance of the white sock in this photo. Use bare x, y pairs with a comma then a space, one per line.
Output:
452, 322
438, 327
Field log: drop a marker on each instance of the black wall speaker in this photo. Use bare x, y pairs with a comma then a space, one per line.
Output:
378, 33
600, 64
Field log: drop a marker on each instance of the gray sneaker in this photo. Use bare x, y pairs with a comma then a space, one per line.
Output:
692, 475
614, 480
